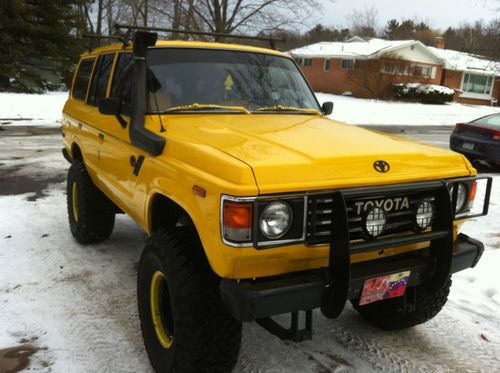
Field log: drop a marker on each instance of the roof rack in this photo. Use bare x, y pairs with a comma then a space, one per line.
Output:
122, 39
129, 28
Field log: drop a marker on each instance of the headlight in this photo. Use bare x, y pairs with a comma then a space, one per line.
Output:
423, 217
275, 220
375, 221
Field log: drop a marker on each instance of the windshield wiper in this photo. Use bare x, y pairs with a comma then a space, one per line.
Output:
194, 107
288, 108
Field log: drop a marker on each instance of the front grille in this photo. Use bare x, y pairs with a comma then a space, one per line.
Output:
399, 220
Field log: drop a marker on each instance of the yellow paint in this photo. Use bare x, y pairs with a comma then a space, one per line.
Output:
246, 155
74, 199
161, 332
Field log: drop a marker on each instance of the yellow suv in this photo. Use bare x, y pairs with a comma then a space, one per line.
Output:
255, 203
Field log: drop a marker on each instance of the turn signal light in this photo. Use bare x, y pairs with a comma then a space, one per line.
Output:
237, 221
496, 136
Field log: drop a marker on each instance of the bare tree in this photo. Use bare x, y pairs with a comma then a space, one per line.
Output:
226, 16
364, 22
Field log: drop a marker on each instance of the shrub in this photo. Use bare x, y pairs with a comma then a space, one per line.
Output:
426, 93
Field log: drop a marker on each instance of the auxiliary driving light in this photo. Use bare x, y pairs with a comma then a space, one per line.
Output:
375, 221
423, 217
275, 220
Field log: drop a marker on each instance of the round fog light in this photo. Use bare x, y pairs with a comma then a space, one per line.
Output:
375, 221
424, 215
275, 220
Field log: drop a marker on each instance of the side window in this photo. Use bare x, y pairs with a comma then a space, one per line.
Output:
100, 78
82, 79
122, 81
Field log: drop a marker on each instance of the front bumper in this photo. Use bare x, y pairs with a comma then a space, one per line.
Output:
251, 300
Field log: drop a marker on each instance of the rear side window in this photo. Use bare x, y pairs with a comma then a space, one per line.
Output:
82, 79
122, 82
100, 78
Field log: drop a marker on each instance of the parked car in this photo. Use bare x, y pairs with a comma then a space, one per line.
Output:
479, 139
255, 202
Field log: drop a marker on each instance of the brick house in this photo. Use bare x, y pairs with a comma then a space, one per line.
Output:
368, 68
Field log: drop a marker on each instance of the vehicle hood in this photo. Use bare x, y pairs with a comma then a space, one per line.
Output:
305, 152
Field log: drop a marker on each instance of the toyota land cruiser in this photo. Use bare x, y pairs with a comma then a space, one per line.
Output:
255, 203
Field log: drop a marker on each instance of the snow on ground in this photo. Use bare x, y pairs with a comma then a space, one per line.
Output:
376, 112
27, 109
77, 303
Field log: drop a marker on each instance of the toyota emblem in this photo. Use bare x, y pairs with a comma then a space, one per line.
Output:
381, 166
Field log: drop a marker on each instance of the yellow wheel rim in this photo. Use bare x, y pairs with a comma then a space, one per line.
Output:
161, 332
74, 199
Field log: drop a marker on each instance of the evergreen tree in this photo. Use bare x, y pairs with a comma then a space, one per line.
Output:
37, 34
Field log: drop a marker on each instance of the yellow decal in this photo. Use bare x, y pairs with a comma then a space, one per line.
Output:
229, 83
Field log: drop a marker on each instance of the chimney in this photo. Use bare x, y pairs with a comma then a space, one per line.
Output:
439, 42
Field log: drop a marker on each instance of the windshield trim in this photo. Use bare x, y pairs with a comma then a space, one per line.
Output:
270, 53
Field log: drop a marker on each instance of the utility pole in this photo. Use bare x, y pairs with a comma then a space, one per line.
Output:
145, 13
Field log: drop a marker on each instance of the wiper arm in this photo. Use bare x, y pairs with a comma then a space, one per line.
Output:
194, 107
288, 108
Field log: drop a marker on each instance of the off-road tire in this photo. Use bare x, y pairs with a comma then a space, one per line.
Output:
94, 218
392, 314
206, 338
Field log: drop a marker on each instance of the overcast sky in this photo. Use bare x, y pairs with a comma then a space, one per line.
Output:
439, 13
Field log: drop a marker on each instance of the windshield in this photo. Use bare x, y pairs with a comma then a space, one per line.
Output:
182, 77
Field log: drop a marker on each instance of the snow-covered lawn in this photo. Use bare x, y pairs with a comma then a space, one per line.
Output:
25, 109
31, 109
376, 112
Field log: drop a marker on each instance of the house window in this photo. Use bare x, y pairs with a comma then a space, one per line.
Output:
327, 65
481, 84
299, 61
422, 71
347, 64
307, 62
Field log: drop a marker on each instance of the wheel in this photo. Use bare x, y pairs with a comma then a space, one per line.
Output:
417, 306
91, 214
185, 325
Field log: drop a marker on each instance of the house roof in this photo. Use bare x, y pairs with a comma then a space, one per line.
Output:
359, 48
356, 47
461, 61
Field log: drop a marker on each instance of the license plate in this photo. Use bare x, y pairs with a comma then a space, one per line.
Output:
468, 145
384, 287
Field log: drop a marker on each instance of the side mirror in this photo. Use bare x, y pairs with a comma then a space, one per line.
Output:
110, 106
327, 107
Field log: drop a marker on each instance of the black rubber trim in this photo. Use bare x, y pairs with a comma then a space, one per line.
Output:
139, 135
251, 300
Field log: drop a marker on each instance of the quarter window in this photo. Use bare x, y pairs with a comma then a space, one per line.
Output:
481, 84
122, 82
82, 79
100, 78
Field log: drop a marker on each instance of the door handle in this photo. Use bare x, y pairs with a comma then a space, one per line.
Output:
101, 136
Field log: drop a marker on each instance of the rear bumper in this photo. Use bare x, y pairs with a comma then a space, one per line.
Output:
251, 300
483, 149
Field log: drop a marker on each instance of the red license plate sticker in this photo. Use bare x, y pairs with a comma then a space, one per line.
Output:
384, 287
